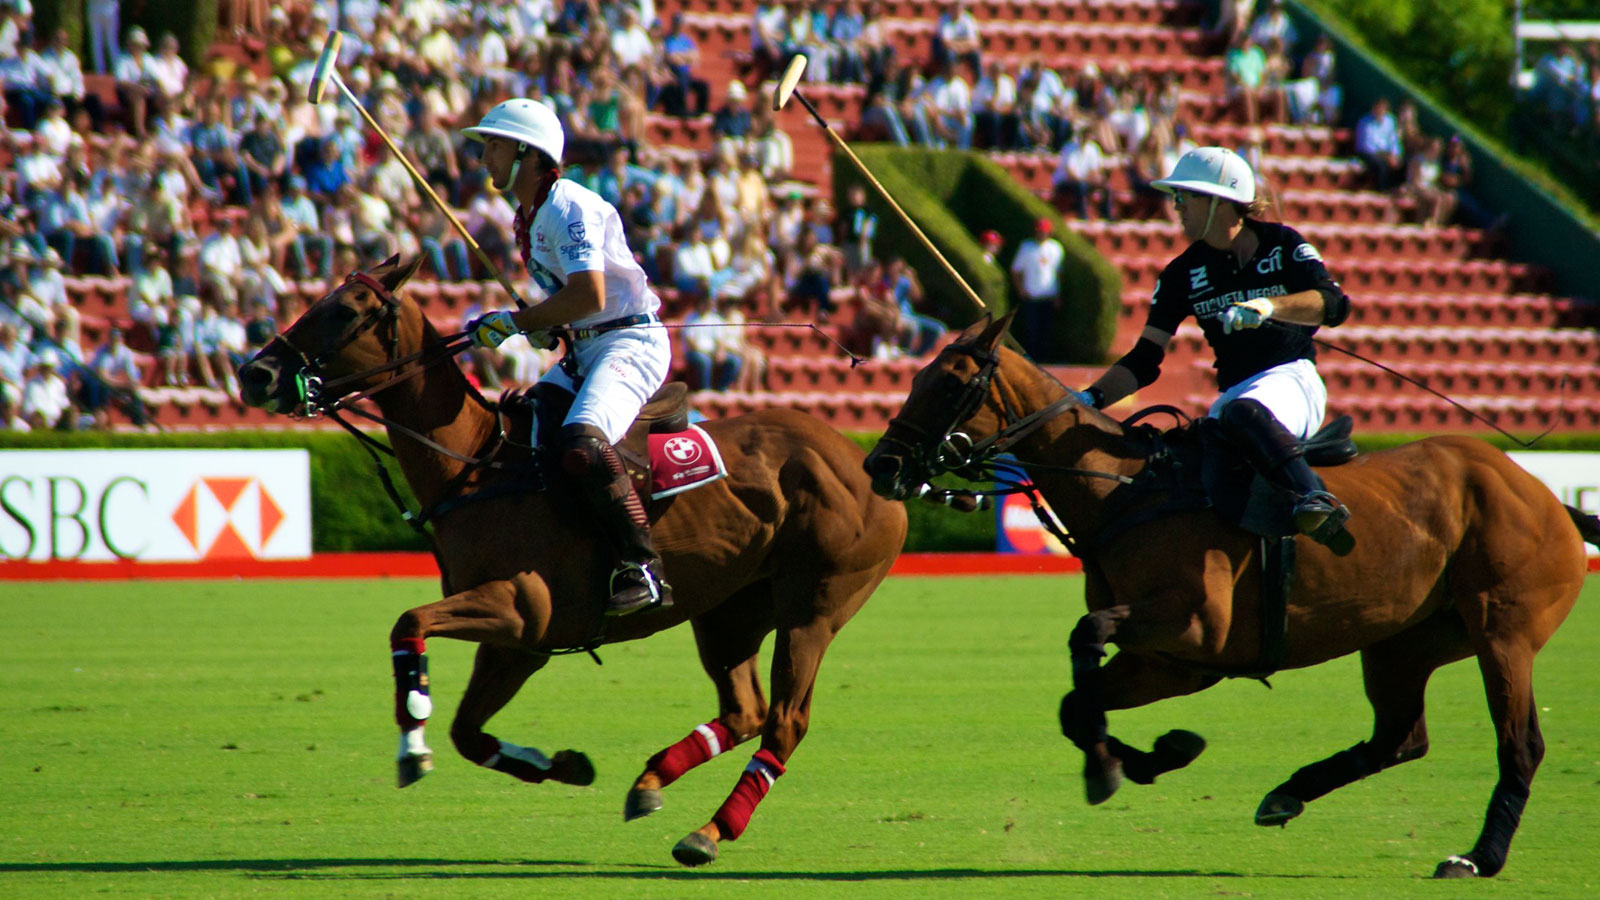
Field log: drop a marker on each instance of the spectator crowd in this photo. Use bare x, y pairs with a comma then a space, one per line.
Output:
213, 194
210, 194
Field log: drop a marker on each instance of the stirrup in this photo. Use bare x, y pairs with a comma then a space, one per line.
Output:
641, 589
1320, 516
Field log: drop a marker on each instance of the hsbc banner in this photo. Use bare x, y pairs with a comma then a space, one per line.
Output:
155, 505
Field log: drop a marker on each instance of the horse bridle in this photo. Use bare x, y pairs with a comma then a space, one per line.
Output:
312, 388
937, 451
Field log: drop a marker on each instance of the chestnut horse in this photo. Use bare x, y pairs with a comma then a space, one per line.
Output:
793, 539
1458, 553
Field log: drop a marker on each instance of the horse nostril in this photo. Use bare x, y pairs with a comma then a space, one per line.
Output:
884, 467
256, 380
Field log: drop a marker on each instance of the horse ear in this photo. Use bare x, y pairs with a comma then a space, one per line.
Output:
398, 273
976, 330
996, 329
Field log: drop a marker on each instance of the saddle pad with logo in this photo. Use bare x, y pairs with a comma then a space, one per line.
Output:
683, 460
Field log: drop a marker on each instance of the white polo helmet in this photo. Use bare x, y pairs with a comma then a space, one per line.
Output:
1215, 171
525, 121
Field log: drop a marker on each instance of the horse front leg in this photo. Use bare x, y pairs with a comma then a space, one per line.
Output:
487, 614
497, 674
1129, 679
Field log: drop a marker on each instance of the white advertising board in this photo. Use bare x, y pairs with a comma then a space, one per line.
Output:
1574, 477
155, 505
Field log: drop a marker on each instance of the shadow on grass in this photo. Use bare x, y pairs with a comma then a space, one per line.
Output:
287, 866
675, 873
307, 870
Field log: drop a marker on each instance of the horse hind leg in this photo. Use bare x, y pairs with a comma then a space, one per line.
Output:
1395, 673
1508, 680
729, 640
796, 658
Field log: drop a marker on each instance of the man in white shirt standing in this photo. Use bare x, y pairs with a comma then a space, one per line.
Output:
1035, 276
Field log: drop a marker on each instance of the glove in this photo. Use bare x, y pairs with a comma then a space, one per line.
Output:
1091, 398
1249, 314
491, 329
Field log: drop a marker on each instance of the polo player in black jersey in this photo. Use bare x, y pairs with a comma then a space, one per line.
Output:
1238, 273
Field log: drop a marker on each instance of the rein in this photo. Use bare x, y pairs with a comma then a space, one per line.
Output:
949, 450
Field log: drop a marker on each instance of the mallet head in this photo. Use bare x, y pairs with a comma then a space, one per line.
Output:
790, 78
325, 66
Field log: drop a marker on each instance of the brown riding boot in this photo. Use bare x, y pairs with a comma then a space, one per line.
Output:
597, 471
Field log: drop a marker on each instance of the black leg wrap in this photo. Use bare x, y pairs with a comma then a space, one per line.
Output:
1338, 770
1499, 825
1082, 723
410, 677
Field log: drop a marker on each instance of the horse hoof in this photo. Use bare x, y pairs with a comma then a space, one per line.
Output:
1456, 867
572, 767
695, 850
1278, 809
1178, 748
1101, 781
412, 768
640, 804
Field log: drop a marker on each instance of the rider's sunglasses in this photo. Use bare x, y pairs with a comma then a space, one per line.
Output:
1179, 198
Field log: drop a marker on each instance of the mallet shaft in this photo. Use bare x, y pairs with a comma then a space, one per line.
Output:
428, 190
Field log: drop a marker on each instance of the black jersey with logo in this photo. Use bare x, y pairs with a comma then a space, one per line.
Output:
1203, 281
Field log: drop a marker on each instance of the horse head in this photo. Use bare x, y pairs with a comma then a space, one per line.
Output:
342, 344
954, 390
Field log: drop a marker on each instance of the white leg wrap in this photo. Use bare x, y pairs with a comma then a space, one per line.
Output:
419, 706
533, 756
413, 744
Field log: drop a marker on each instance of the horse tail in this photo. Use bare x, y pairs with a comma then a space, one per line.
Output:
1588, 526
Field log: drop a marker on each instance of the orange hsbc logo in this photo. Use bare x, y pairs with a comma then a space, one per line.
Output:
225, 536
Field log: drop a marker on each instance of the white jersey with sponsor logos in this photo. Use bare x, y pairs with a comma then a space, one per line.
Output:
576, 230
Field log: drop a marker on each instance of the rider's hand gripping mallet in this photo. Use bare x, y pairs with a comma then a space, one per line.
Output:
789, 86
326, 71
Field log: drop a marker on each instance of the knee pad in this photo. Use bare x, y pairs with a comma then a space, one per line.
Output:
582, 449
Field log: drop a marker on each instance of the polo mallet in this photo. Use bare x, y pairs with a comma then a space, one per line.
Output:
789, 86
326, 71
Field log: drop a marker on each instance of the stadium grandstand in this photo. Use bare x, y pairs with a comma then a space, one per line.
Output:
169, 208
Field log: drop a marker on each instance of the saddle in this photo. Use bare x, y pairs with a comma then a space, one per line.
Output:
1200, 466
532, 419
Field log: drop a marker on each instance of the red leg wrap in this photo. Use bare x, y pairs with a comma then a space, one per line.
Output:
408, 645
670, 764
757, 779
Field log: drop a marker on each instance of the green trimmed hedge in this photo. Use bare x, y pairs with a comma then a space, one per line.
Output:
350, 511
954, 196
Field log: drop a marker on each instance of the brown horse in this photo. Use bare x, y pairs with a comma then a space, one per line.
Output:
793, 539
1458, 553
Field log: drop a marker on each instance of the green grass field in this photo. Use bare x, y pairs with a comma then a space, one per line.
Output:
223, 739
